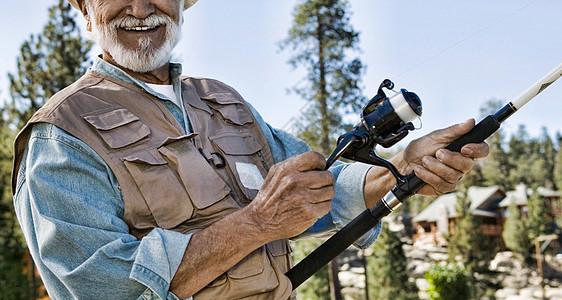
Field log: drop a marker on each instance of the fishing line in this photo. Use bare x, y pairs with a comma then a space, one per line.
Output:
465, 39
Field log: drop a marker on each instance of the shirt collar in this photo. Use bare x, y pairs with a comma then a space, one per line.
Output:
101, 66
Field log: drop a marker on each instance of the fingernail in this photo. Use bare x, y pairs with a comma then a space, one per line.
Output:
439, 155
467, 151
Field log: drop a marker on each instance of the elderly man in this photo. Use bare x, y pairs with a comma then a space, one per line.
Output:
136, 183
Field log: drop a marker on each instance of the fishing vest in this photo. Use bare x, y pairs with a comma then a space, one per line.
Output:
172, 180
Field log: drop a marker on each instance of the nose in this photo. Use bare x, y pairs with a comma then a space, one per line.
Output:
141, 9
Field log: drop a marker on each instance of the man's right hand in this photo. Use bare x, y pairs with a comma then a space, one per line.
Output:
296, 193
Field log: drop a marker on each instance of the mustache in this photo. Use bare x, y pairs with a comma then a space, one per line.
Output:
150, 21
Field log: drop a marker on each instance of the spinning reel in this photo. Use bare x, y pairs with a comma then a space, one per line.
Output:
384, 121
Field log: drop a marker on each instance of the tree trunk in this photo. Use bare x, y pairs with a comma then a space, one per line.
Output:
335, 287
322, 97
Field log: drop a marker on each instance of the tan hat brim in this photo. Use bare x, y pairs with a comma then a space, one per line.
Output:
188, 4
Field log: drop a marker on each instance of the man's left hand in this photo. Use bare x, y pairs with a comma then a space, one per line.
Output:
440, 168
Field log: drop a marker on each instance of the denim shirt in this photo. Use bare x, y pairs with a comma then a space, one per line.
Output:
71, 211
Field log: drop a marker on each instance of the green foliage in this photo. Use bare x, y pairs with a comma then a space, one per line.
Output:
387, 269
537, 221
317, 286
496, 167
548, 153
14, 280
533, 161
515, 232
448, 282
558, 165
48, 62
466, 244
320, 39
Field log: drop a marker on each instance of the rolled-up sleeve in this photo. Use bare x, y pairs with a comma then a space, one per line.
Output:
348, 202
71, 211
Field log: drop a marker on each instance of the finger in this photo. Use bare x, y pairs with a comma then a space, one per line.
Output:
325, 194
455, 160
319, 179
307, 196
480, 150
451, 133
306, 180
437, 183
307, 161
441, 170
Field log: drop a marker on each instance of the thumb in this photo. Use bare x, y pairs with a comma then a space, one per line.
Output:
451, 133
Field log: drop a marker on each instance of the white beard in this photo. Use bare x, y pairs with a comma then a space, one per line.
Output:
145, 58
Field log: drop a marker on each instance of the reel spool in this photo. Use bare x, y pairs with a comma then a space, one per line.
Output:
384, 121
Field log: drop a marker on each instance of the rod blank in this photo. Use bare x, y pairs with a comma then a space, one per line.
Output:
537, 87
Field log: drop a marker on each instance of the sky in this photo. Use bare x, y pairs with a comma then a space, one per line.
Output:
456, 55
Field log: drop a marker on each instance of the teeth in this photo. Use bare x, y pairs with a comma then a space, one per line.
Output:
139, 28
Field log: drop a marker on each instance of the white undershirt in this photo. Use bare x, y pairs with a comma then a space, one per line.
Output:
166, 90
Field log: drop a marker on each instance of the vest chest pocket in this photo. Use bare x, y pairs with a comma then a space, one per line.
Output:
118, 127
243, 154
163, 192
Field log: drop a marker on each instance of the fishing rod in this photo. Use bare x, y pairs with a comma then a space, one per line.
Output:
385, 121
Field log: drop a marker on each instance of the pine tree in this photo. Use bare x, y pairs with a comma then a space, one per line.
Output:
495, 168
320, 39
14, 279
545, 176
47, 63
537, 222
387, 269
558, 165
518, 157
537, 165
466, 245
515, 232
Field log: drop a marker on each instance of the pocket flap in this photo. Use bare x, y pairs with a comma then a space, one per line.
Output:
111, 119
150, 157
170, 140
118, 127
237, 145
279, 247
222, 98
251, 265
230, 107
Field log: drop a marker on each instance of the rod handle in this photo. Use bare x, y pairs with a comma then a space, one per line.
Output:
478, 134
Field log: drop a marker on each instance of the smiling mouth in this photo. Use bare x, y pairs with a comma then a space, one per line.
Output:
140, 28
